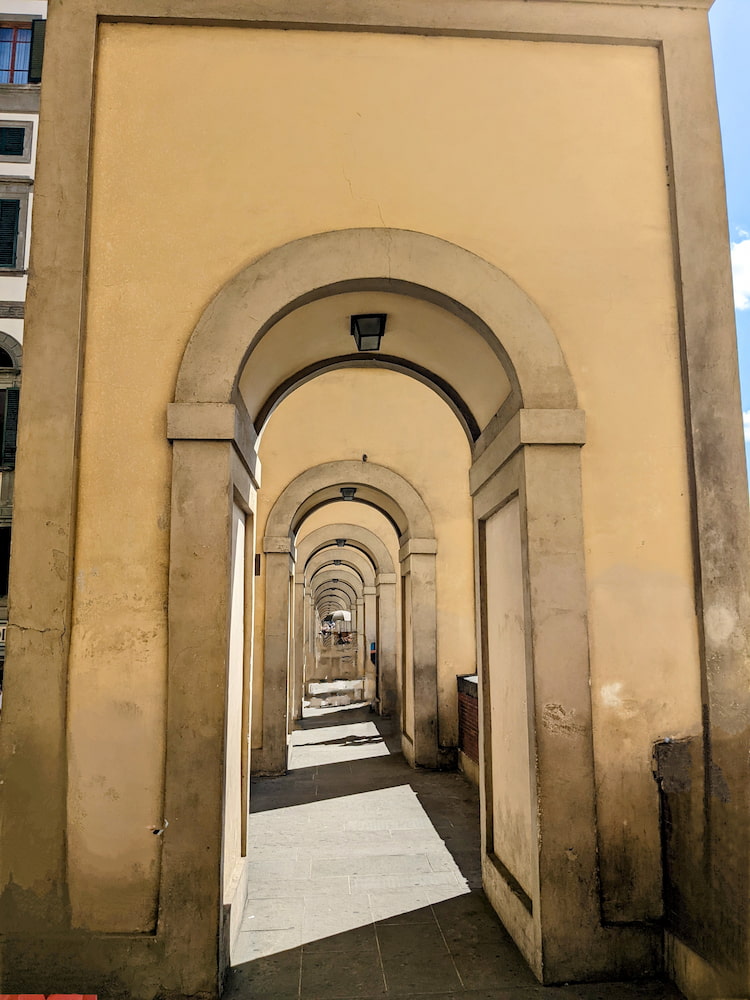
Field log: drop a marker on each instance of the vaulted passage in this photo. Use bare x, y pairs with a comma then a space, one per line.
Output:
495, 527
402, 517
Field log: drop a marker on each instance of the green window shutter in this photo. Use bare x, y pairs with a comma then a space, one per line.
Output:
10, 428
11, 140
9, 212
38, 29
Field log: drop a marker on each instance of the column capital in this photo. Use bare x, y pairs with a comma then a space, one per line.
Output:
417, 547
278, 543
527, 427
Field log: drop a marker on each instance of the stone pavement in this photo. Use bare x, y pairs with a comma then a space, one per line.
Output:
365, 882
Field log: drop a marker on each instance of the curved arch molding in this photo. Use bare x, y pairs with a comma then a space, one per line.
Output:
395, 260
388, 361
382, 487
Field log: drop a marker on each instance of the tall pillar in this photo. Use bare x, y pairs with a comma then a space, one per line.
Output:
540, 861
304, 639
360, 633
271, 757
417, 557
370, 629
200, 549
313, 627
387, 644
298, 646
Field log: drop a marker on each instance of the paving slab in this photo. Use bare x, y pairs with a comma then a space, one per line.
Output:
401, 906
360, 938
350, 974
416, 959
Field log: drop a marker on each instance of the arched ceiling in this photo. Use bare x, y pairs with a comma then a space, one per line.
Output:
333, 556
419, 332
362, 546
374, 534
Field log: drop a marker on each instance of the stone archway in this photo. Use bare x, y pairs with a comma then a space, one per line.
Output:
526, 459
394, 259
401, 503
366, 548
13, 348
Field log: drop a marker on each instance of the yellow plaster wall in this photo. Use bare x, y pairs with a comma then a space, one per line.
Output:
213, 145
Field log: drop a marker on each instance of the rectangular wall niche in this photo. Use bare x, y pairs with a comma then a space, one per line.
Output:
513, 781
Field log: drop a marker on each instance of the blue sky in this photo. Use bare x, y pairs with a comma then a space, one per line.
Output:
730, 36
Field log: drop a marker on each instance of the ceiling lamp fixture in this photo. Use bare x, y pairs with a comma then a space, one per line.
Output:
336, 562
347, 492
368, 330
341, 542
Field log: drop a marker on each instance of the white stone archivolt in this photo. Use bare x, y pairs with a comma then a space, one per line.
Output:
412, 263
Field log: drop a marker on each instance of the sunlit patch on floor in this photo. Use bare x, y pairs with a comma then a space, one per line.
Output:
334, 744
309, 711
323, 868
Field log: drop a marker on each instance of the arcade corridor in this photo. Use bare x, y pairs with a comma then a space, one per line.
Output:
365, 882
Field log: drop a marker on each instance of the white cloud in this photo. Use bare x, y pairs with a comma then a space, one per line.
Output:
741, 274
746, 422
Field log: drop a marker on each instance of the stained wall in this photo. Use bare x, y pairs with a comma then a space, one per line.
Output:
546, 159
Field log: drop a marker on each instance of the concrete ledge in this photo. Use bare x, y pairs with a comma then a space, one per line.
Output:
215, 422
277, 543
417, 547
200, 421
692, 975
468, 768
515, 917
235, 899
20, 97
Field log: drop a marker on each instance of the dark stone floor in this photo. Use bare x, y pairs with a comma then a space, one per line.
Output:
365, 883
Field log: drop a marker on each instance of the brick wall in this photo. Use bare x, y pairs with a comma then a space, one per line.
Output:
468, 717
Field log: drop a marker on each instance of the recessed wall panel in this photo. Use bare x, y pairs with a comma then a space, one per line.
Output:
512, 778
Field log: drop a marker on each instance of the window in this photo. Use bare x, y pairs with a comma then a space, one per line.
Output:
11, 355
10, 209
11, 140
14, 211
9, 426
15, 53
15, 140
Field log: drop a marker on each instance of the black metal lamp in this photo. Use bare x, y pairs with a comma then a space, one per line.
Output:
347, 492
368, 330
336, 562
341, 542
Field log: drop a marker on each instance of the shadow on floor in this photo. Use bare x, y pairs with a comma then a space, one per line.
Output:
453, 950
369, 852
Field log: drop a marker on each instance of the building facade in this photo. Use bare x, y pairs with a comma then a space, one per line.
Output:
20, 30
536, 476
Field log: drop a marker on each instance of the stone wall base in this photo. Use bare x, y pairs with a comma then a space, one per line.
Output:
692, 975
